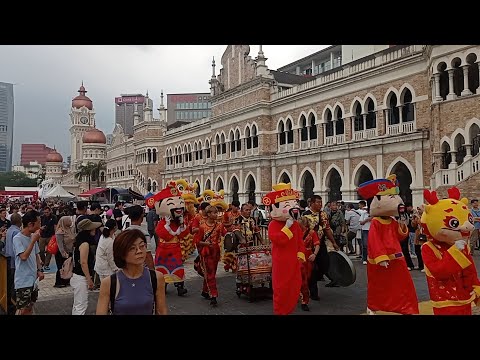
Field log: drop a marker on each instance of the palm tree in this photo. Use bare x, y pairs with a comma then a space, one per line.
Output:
99, 167
86, 170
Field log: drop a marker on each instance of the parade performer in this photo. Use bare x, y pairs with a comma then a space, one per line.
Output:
208, 240
188, 195
451, 274
288, 249
312, 248
171, 231
390, 286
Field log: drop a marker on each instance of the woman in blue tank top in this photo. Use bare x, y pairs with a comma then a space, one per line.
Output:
134, 290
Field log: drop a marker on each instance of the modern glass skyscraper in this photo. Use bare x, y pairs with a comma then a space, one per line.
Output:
6, 126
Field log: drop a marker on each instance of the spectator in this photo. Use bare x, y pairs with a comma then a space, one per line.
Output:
47, 230
134, 288
152, 222
65, 239
352, 218
135, 213
28, 264
474, 237
81, 213
13, 230
118, 214
104, 262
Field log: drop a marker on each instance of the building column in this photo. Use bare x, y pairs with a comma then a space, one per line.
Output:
417, 196
334, 122
364, 117
313, 68
466, 91
468, 147
477, 91
438, 97
320, 134
453, 164
451, 94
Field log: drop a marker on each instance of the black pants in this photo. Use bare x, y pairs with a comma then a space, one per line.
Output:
406, 253
320, 268
418, 252
59, 259
11, 307
153, 235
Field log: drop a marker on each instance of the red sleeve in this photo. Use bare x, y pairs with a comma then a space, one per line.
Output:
278, 233
195, 224
199, 235
299, 236
376, 247
452, 261
315, 239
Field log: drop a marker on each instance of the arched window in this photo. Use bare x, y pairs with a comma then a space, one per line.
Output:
154, 186
149, 185
154, 156
304, 128
224, 145
371, 120
281, 133
232, 141
358, 118
444, 83
249, 139
238, 140
408, 113
289, 129
473, 80
394, 112
457, 76
339, 124
149, 156
254, 137
328, 124
219, 145
207, 148
313, 127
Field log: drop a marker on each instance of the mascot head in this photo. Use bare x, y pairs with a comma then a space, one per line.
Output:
168, 202
382, 196
282, 202
216, 199
188, 194
446, 220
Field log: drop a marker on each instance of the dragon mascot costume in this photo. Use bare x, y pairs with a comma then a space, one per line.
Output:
171, 231
288, 248
390, 286
451, 274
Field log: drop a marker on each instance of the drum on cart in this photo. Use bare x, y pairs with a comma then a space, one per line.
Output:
254, 272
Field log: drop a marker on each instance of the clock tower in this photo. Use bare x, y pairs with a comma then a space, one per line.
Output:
82, 119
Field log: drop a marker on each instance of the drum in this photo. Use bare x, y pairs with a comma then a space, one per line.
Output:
254, 260
341, 269
232, 240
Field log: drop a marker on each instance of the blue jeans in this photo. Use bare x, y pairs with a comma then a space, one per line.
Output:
411, 242
364, 245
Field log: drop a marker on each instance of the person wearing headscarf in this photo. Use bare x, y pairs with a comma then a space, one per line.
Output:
65, 239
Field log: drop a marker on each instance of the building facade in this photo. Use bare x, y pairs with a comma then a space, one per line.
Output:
32, 169
412, 110
34, 152
7, 117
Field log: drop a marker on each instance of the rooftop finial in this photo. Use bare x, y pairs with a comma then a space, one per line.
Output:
213, 67
161, 98
260, 51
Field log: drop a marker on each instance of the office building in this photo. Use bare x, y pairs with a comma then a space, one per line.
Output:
125, 107
6, 126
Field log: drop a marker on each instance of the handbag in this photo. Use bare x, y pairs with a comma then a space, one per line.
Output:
66, 272
52, 246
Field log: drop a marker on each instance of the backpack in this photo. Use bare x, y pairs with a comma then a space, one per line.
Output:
66, 272
113, 288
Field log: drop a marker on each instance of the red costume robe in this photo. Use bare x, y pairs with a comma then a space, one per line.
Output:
168, 257
287, 248
210, 255
451, 278
310, 241
389, 289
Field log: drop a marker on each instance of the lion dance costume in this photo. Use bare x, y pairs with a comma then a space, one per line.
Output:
451, 274
288, 248
171, 231
390, 286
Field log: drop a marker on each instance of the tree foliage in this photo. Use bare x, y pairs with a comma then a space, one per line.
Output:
15, 178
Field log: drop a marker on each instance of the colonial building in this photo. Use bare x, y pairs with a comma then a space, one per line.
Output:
411, 110
88, 144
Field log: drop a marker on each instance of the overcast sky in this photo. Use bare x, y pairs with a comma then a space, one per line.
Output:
46, 79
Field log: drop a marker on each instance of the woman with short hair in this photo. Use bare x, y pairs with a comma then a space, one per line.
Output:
134, 293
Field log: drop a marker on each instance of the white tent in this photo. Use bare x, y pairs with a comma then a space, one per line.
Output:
58, 192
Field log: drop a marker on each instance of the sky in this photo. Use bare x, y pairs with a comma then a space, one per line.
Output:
48, 77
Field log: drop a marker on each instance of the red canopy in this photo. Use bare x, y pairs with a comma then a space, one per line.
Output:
92, 192
34, 194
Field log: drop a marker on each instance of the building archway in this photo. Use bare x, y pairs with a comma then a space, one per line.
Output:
250, 188
334, 184
308, 183
197, 190
208, 185
404, 178
219, 185
234, 188
284, 178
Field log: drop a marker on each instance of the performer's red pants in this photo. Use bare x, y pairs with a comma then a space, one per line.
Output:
209, 264
306, 268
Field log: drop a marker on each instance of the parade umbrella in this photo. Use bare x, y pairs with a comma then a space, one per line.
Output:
341, 269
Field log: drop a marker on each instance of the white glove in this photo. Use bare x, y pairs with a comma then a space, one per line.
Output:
289, 223
460, 244
384, 263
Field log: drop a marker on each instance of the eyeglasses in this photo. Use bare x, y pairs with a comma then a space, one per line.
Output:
134, 248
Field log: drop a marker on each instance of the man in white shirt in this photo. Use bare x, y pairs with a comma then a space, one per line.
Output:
352, 217
365, 220
135, 213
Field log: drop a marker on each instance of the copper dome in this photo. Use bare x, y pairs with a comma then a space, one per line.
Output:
82, 100
94, 136
54, 156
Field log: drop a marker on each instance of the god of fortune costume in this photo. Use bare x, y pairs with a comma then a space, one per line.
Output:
451, 274
171, 232
390, 286
288, 249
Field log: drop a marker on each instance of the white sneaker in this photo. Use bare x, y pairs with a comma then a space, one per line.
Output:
423, 270
409, 269
364, 263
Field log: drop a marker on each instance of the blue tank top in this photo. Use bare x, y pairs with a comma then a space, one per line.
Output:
135, 296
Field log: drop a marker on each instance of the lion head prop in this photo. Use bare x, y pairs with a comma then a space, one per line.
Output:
188, 194
446, 220
282, 202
